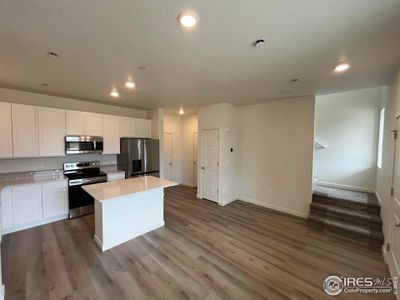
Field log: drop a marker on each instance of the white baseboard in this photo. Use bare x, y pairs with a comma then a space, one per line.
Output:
223, 203
345, 187
34, 224
275, 207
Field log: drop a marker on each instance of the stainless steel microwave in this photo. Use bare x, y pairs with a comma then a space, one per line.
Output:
83, 144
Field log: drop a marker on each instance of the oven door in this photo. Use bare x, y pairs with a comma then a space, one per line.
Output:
80, 202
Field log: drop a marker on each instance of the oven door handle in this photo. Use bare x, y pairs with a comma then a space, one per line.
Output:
83, 181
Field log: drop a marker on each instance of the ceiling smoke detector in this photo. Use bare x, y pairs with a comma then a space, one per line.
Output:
259, 43
52, 55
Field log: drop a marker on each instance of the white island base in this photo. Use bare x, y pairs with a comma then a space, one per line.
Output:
126, 209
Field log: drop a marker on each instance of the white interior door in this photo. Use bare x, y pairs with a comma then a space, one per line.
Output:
209, 164
195, 141
168, 155
395, 224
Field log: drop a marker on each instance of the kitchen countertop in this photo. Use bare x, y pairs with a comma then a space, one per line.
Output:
21, 178
109, 190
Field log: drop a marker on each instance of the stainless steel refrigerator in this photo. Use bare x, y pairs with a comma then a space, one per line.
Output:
139, 157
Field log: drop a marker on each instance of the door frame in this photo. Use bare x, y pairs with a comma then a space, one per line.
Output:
200, 159
172, 154
195, 154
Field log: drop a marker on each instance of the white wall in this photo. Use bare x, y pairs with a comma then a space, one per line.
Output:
384, 175
189, 126
173, 124
157, 129
276, 154
347, 124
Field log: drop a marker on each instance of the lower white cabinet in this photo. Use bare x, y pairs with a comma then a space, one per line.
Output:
33, 204
55, 199
27, 204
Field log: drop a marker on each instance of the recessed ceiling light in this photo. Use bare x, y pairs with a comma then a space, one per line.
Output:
342, 67
114, 93
130, 84
188, 19
181, 111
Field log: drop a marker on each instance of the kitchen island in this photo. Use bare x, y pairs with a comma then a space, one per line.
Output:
125, 209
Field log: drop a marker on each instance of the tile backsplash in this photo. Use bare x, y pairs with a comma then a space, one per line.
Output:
48, 163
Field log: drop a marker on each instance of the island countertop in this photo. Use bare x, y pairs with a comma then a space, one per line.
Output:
109, 190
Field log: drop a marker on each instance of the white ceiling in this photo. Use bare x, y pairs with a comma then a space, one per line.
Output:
101, 43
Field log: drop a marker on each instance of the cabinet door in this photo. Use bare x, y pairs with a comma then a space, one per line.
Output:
51, 131
24, 130
75, 122
55, 199
111, 134
27, 204
5, 130
6, 209
143, 128
127, 127
93, 124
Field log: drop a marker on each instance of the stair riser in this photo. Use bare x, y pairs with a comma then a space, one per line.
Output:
372, 243
351, 219
347, 204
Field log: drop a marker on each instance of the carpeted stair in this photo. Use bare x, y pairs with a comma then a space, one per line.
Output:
354, 215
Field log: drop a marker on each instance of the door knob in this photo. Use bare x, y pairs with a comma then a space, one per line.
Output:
170, 164
202, 168
397, 224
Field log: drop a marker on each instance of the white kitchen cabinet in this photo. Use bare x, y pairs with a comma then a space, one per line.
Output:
55, 199
143, 128
25, 138
115, 176
75, 122
51, 131
5, 130
127, 127
110, 134
27, 204
6, 209
93, 124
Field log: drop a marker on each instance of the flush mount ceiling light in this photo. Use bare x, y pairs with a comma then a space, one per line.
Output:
181, 111
130, 84
343, 67
188, 19
114, 93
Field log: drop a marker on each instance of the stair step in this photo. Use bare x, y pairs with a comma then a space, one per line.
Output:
356, 232
359, 216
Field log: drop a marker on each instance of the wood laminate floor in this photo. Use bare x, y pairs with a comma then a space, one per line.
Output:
205, 251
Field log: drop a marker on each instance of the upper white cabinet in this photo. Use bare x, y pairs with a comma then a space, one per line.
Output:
111, 131
93, 124
75, 122
127, 127
5, 130
143, 128
51, 131
24, 130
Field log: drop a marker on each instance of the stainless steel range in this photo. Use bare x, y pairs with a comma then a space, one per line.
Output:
80, 174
